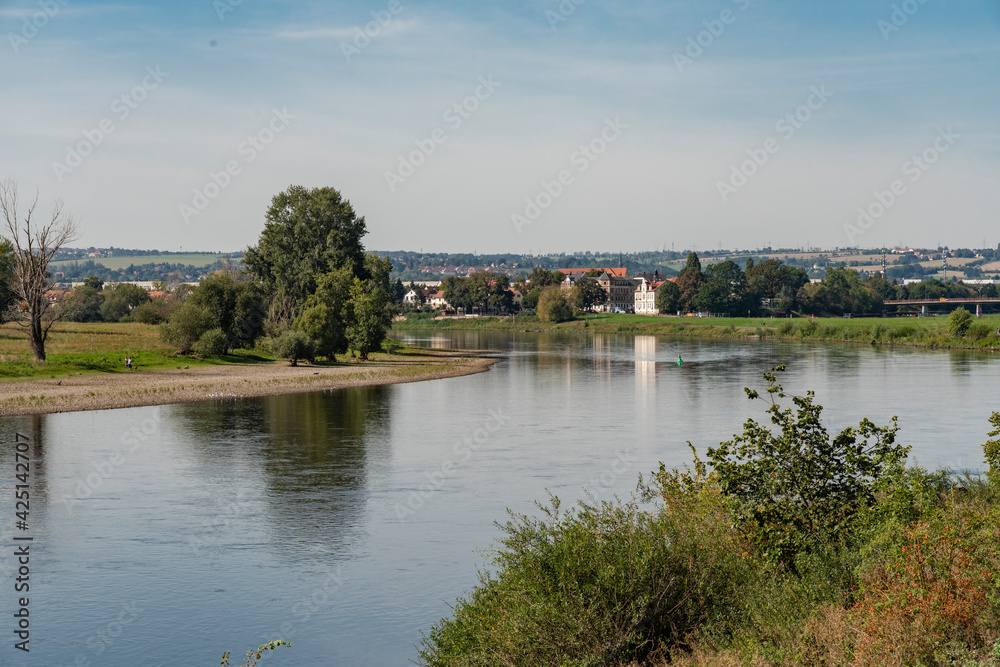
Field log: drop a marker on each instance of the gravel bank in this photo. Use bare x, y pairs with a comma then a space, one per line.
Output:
205, 383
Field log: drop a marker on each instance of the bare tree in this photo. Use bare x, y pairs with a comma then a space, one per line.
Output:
34, 246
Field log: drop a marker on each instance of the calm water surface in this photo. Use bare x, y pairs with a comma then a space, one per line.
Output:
164, 536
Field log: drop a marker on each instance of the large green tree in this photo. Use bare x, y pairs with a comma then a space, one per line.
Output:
772, 279
234, 306
307, 234
83, 304
588, 293
840, 292
554, 305
482, 289
371, 312
724, 290
689, 281
120, 299
668, 298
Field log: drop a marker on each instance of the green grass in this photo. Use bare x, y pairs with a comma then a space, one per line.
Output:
116, 263
911, 331
80, 349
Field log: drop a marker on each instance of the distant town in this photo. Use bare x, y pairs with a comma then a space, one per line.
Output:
73, 265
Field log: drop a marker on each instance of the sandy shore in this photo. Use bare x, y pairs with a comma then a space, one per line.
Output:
205, 383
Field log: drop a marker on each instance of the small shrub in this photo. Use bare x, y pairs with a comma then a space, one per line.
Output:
186, 325
255, 654
829, 331
959, 322
979, 331
809, 328
148, 313
779, 483
599, 585
212, 342
293, 345
920, 600
880, 332
991, 452
786, 328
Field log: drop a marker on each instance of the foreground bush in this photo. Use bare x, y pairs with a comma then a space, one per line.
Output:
795, 549
598, 584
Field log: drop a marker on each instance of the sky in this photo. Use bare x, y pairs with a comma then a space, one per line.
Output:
527, 126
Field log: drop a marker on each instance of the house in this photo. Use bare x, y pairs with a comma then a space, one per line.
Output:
620, 290
412, 298
645, 296
437, 300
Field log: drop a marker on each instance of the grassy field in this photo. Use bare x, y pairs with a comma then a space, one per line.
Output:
914, 331
197, 259
75, 348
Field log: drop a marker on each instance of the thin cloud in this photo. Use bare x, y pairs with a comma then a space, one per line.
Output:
392, 28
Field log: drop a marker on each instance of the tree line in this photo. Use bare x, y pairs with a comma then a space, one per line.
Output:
308, 285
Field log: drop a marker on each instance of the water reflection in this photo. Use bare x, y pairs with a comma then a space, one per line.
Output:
311, 454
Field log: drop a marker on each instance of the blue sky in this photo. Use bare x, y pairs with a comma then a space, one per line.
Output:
689, 143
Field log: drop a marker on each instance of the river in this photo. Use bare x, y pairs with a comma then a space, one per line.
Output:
348, 520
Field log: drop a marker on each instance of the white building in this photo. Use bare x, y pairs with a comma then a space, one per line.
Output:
645, 297
437, 300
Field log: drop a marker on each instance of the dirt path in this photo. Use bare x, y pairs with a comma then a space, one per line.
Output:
101, 392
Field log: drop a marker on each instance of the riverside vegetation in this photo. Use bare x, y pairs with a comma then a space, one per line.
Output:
788, 546
958, 330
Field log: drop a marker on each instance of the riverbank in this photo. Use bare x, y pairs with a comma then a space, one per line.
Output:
929, 332
102, 391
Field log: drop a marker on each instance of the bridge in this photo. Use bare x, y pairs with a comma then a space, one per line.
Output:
959, 301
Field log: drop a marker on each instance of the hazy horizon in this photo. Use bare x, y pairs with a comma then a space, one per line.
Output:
628, 126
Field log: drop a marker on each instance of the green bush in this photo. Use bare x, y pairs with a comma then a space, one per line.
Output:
212, 342
979, 331
599, 585
186, 325
959, 323
293, 345
786, 327
150, 312
880, 332
809, 328
800, 488
554, 306
829, 331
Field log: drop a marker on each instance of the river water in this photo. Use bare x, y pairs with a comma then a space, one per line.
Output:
347, 521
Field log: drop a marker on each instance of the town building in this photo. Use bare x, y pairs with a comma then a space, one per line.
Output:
645, 296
